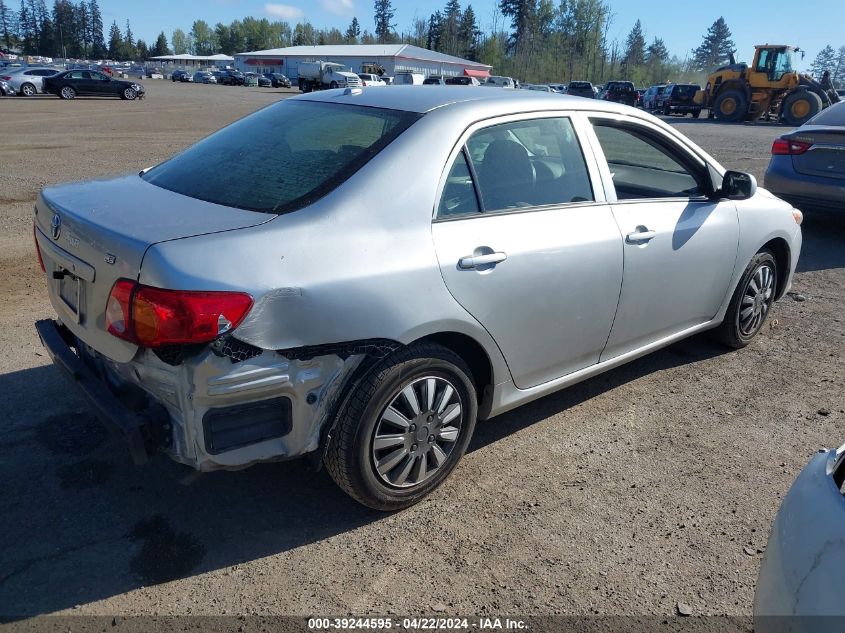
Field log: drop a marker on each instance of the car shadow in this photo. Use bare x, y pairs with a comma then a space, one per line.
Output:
823, 247
81, 524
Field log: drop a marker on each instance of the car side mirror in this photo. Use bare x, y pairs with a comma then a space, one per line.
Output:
737, 185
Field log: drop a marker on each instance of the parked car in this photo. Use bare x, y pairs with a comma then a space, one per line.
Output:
182, 76
800, 585
434, 80
580, 89
496, 81
5, 89
370, 79
538, 88
204, 77
679, 99
404, 78
807, 167
278, 80
378, 356
649, 100
230, 77
387, 80
620, 92
26, 81
462, 80
251, 79
84, 83
153, 70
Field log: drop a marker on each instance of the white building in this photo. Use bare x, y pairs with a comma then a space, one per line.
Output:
191, 62
360, 58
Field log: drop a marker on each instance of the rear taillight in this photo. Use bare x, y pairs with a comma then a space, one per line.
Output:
6, 77
152, 317
787, 147
38, 248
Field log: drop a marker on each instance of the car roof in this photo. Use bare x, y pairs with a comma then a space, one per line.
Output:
423, 99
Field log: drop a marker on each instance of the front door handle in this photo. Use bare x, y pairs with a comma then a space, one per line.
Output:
641, 235
474, 261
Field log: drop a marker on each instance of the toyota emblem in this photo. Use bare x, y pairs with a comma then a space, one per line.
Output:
56, 226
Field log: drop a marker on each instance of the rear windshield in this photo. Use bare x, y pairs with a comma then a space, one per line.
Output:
283, 157
685, 91
580, 84
832, 116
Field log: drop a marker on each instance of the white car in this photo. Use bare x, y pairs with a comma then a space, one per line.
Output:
369, 79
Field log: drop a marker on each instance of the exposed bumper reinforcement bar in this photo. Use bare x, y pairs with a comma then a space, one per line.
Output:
131, 426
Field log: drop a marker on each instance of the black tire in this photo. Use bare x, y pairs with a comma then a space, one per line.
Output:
333, 84
28, 90
800, 106
351, 455
731, 106
696, 114
667, 109
731, 331
67, 93
128, 94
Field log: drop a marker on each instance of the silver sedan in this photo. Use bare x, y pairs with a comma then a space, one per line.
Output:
27, 81
524, 242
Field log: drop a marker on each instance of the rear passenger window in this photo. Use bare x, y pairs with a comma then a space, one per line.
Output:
643, 167
459, 192
529, 163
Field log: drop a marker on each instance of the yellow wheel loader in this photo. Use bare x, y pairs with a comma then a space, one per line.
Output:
769, 88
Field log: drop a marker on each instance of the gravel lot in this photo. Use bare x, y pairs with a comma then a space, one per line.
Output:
652, 484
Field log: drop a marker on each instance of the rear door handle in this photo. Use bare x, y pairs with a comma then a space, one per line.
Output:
642, 234
474, 261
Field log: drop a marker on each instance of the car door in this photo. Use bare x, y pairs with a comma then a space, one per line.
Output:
102, 84
528, 246
680, 243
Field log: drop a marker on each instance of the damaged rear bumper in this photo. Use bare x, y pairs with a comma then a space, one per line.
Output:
135, 428
213, 408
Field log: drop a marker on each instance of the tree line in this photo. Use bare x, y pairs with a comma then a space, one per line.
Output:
533, 40
831, 60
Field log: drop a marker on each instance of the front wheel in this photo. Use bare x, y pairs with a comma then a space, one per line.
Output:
67, 93
129, 94
333, 84
800, 106
404, 427
751, 302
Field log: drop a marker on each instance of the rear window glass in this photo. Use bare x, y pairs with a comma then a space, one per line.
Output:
283, 157
831, 116
686, 91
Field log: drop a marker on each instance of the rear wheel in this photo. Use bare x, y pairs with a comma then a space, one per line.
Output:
696, 114
67, 93
403, 428
731, 105
800, 106
751, 301
28, 90
667, 109
333, 84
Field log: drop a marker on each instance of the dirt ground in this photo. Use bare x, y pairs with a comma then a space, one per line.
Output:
652, 484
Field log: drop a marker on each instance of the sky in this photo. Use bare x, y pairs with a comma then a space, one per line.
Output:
682, 25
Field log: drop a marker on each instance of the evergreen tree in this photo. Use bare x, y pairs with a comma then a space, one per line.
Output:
435, 31
635, 47
143, 50
451, 19
115, 41
824, 61
384, 12
716, 47
353, 31
7, 24
98, 42
468, 35
26, 29
160, 47
521, 13
839, 74
657, 52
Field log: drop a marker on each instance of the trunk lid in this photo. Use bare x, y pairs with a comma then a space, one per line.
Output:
826, 157
94, 233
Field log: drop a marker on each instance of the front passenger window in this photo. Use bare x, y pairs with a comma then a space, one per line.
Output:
643, 166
